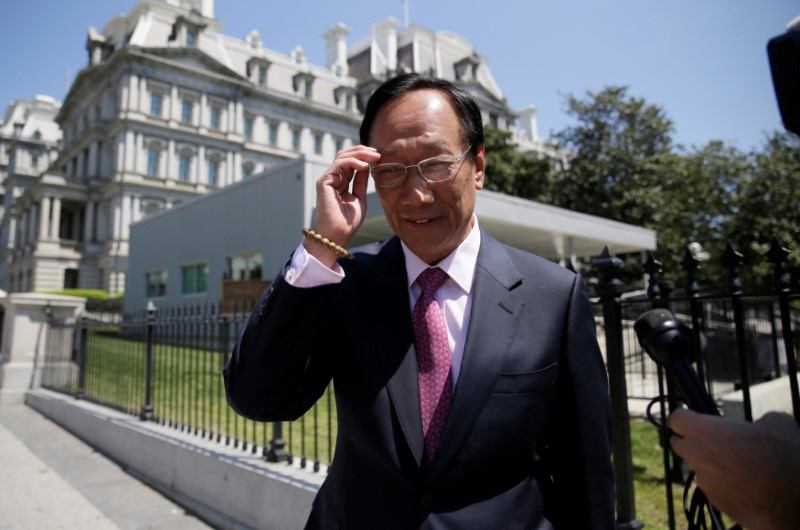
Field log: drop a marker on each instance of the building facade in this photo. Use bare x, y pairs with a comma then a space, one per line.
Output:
168, 108
29, 143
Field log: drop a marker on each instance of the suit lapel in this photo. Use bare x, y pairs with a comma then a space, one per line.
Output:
492, 325
394, 340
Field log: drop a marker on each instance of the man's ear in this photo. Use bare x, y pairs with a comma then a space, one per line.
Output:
480, 167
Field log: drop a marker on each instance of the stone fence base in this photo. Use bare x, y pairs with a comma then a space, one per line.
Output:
227, 487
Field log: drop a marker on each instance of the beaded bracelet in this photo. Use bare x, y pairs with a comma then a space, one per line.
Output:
310, 234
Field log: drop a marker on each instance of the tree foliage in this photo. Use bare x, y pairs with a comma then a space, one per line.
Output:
514, 173
766, 205
624, 166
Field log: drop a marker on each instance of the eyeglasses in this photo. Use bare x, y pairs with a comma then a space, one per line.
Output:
437, 169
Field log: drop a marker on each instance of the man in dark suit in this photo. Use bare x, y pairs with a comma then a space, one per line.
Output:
479, 402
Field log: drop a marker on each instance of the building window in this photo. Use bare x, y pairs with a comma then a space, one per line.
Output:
35, 161
156, 282
245, 267
213, 172
339, 145
155, 105
248, 129
272, 134
296, 139
318, 144
247, 170
215, 117
195, 278
184, 165
191, 37
262, 75
152, 162
186, 111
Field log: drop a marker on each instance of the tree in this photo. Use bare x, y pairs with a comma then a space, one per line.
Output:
514, 173
621, 148
767, 205
619, 143
698, 188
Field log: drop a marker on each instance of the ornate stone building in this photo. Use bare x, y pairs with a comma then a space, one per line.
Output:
169, 108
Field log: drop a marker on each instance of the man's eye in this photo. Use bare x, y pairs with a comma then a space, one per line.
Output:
387, 171
437, 166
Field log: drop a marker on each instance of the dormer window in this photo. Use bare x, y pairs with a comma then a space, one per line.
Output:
467, 68
186, 30
345, 98
257, 70
303, 84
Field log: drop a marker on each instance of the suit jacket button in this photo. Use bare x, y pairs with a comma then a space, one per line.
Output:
426, 500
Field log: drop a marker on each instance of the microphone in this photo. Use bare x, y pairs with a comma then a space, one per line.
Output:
661, 337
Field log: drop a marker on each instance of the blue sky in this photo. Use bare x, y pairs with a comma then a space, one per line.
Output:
703, 61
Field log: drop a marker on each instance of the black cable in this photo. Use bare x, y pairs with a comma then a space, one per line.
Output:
698, 511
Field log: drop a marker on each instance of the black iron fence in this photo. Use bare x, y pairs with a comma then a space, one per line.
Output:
737, 340
163, 365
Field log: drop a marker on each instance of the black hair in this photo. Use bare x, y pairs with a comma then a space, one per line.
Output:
469, 114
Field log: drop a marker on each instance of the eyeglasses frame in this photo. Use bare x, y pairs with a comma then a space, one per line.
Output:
456, 160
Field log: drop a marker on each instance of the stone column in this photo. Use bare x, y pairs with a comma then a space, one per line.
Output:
229, 170
174, 106
55, 218
12, 231
231, 125
172, 172
202, 166
32, 214
124, 93
116, 205
44, 219
133, 94
136, 206
239, 124
138, 155
237, 167
126, 217
203, 111
88, 223
143, 104
92, 164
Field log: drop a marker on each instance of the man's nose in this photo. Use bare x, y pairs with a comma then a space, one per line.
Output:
416, 183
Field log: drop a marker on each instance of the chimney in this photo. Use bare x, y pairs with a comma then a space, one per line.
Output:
337, 48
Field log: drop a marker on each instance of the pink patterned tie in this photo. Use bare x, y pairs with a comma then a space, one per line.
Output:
433, 359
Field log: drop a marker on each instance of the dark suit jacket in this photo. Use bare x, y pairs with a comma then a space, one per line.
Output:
528, 440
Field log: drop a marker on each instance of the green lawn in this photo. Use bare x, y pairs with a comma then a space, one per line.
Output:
187, 392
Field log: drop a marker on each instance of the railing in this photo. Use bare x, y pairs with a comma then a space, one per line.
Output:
737, 340
164, 365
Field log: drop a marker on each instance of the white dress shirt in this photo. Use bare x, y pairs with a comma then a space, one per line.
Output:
454, 296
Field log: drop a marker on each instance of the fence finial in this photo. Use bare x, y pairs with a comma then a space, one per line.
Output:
732, 260
652, 267
777, 255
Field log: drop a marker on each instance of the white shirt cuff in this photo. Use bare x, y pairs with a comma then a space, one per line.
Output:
307, 271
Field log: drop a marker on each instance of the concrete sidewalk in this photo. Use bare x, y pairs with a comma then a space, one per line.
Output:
52, 480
